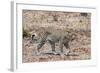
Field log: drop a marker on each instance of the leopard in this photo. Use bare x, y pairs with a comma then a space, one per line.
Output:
53, 36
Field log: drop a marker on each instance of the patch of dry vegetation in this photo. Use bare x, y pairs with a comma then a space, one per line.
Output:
50, 20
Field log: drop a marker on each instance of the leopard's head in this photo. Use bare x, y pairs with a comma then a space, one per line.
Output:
38, 34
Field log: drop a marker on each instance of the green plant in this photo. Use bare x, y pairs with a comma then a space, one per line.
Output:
26, 33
